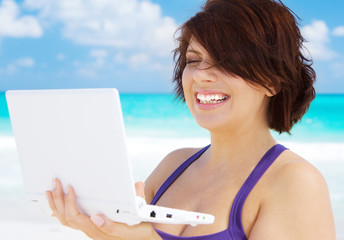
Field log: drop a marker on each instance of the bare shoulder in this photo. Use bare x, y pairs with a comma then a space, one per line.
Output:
297, 204
165, 168
296, 174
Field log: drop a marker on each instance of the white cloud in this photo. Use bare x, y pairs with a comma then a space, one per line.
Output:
317, 37
139, 59
86, 72
25, 62
60, 56
119, 57
339, 31
13, 25
98, 53
14, 67
131, 24
338, 68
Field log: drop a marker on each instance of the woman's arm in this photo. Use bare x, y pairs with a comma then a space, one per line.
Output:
96, 227
298, 207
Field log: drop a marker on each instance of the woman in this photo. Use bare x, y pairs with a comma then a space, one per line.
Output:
241, 71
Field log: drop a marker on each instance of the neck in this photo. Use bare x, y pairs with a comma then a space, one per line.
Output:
240, 146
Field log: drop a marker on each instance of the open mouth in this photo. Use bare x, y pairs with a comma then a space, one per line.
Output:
211, 98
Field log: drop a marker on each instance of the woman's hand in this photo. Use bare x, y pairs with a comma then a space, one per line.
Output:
97, 227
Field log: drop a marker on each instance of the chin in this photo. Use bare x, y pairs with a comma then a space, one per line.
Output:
212, 124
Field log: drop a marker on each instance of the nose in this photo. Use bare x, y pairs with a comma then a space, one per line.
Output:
204, 72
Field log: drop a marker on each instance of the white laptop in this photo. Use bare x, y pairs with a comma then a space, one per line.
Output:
77, 136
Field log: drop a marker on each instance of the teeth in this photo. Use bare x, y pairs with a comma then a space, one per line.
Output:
211, 99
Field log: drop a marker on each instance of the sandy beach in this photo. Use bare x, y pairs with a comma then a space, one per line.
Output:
19, 221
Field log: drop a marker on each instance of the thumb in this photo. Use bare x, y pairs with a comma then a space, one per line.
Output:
140, 189
106, 226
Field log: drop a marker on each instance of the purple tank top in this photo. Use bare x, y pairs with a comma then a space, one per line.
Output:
235, 229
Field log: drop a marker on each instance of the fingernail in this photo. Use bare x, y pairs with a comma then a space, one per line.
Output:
68, 189
98, 221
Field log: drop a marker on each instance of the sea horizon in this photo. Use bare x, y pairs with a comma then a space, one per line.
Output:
163, 115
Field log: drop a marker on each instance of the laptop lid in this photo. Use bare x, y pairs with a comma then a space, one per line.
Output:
77, 136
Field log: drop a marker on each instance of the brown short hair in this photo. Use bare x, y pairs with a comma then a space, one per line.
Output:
259, 41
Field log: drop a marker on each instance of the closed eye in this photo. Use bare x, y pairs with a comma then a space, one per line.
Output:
191, 61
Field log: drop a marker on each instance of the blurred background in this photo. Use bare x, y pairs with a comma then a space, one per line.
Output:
128, 44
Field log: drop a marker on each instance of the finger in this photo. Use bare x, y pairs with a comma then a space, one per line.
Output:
106, 226
51, 203
140, 189
71, 208
123, 231
78, 220
72, 214
58, 198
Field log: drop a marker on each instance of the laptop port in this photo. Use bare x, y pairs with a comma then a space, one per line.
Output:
169, 215
153, 214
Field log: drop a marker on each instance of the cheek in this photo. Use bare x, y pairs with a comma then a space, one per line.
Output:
187, 89
252, 104
185, 75
186, 82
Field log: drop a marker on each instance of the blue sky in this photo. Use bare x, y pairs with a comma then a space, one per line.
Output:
127, 43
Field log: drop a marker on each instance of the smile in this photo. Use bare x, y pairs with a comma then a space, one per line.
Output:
211, 98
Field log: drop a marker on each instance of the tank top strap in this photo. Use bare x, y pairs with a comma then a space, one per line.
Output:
176, 174
235, 222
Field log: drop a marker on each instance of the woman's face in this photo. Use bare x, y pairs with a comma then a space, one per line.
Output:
217, 99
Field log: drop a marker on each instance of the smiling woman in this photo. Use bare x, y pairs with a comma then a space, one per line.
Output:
256, 49
241, 72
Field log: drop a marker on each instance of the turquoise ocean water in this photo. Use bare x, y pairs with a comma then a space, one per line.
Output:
160, 115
